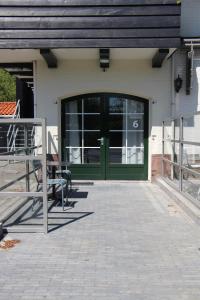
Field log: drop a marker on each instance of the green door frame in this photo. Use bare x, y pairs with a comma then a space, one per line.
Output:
104, 170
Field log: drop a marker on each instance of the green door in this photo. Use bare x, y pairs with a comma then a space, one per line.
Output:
105, 136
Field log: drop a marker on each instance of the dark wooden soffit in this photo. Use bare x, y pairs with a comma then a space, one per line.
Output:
89, 24
159, 57
49, 57
83, 2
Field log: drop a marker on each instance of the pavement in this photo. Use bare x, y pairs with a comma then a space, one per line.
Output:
117, 241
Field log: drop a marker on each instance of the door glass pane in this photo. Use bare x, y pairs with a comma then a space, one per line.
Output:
125, 155
73, 122
82, 130
92, 122
74, 155
135, 139
135, 106
91, 156
92, 105
135, 155
115, 139
72, 107
115, 122
135, 122
126, 131
116, 155
116, 105
91, 139
73, 138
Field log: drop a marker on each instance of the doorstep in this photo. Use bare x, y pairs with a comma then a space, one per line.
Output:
187, 205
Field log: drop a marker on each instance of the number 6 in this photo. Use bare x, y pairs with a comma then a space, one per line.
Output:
135, 124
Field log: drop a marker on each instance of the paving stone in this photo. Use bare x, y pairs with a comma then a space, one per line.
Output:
128, 240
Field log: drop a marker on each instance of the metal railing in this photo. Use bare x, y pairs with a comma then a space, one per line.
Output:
12, 131
181, 155
25, 154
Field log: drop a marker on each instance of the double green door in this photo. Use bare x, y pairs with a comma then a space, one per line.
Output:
105, 136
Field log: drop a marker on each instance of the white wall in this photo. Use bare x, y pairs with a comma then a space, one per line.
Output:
190, 20
85, 76
187, 104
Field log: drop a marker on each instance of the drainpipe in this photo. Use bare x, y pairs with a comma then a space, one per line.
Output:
173, 98
191, 43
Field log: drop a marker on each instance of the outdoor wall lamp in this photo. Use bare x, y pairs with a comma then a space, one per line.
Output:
104, 58
178, 84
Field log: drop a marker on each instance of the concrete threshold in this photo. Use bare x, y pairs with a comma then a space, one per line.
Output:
187, 205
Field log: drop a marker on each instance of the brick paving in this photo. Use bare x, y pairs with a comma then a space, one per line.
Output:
121, 240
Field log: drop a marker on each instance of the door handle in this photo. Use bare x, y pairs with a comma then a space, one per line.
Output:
101, 140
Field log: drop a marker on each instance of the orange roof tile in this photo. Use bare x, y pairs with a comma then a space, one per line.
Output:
7, 108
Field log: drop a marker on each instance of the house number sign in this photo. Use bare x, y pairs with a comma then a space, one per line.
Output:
135, 124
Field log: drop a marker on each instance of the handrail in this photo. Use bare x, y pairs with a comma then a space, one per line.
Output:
21, 149
181, 169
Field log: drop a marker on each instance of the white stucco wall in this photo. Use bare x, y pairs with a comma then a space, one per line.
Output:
190, 21
187, 104
75, 77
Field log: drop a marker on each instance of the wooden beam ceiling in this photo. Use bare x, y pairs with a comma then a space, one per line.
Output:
31, 24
